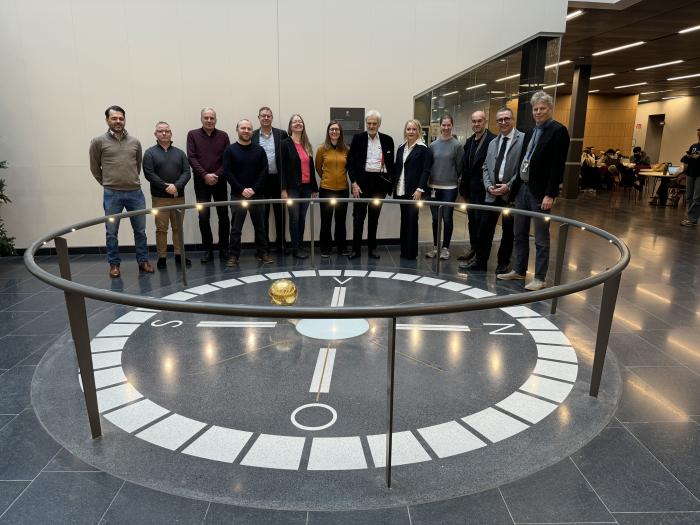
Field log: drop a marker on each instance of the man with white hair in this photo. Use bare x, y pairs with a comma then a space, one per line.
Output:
542, 163
370, 168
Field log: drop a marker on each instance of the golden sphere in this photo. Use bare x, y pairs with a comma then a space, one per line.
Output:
283, 292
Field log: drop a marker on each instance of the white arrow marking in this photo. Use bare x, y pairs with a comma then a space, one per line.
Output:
321, 381
338, 296
236, 324
341, 282
434, 327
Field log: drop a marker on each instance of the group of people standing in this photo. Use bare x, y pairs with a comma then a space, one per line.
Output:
270, 163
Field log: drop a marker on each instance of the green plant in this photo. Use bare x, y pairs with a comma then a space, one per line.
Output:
7, 243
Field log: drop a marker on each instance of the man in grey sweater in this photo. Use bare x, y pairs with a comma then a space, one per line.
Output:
115, 162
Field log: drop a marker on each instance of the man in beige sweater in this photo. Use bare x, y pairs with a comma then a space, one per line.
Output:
115, 162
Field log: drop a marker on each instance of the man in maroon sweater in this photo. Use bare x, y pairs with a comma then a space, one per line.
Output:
205, 152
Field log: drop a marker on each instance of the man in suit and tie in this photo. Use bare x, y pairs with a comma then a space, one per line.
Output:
500, 171
371, 169
270, 139
472, 185
543, 157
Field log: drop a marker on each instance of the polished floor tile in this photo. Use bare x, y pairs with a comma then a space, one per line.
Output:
9, 491
642, 402
677, 385
64, 461
484, 508
218, 514
22, 349
25, 447
14, 389
658, 518
395, 516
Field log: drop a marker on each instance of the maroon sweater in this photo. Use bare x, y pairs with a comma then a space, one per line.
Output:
205, 153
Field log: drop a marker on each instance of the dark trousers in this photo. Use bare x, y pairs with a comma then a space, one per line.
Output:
297, 214
521, 226
205, 193
327, 211
238, 215
272, 191
409, 228
487, 229
360, 211
475, 217
447, 213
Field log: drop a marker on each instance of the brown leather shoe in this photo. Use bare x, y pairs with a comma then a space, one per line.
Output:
114, 271
146, 267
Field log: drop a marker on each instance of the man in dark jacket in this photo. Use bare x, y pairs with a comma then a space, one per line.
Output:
472, 184
543, 157
166, 168
370, 168
692, 184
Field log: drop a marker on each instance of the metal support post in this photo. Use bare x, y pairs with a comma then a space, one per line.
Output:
438, 240
312, 223
77, 316
391, 357
183, 256
559, 262
605, 319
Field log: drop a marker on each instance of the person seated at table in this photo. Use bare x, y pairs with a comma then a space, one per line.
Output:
590, 175
639, 157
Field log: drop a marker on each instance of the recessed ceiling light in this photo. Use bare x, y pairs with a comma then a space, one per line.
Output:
496, 91
594, 90
689, 29
474, 87
554, 85
631, 85
658, 65
508, 78
620, 48
641, 101
652, 92
669, 98
450, 93
562, 63
433, 98
603, 76
574, 14
684, 76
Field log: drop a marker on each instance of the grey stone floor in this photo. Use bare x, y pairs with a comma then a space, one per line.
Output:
644, 468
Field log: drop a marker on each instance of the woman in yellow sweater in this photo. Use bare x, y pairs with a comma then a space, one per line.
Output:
331, 158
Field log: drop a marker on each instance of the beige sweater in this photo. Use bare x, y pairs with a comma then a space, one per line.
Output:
115, 163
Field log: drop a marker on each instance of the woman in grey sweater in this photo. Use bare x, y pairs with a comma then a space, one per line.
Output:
443, 183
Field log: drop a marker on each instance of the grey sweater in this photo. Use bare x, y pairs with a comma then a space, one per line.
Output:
115, 163
447, 163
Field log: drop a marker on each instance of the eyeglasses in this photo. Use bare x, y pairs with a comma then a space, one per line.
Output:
503, 120
334, 130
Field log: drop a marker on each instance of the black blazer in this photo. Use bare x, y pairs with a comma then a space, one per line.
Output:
278, 135
472, 182
547, 161
357, 158
290, 167
416, 170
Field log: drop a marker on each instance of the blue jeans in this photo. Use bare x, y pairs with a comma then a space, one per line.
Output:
447, 212
115, 201
297, 214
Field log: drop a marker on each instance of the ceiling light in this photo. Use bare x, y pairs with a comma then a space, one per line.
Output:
620, 48
640, 101
450, 93
684, 76
652, 92
496, 91
689, 29
669, 98
433, 98
554, 85
594, 90
574, 14
658, 65
630, 85
602, 76
563, 63
474, 87
508, 78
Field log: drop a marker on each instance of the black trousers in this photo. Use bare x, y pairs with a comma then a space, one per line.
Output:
238, 215
409, 228
487, 227
272, 191
360, 211
475, 217
205, 193
340, 210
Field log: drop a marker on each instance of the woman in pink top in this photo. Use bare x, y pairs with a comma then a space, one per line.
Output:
298, 177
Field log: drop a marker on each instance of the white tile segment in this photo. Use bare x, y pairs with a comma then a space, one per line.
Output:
547, 388
449, 439
228, 283
561, 353
527, 407
477, 293
405, 277
405, 449
179, 296
305, 273
109, 377
112, 330
172, 431
253, 278
135, 317
330, 273
200, 290
278, 275
355, 273
520, 311
323, 372
219, 444
115, 396
434, 327
455, 287
549, 337
494, 425
380, 275
337, 453
236, 324
137, 415
148, 310
563, 371
430, 281
106, 359
108, 344
537, 323
272, 451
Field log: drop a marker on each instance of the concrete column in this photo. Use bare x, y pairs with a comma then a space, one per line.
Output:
577, 126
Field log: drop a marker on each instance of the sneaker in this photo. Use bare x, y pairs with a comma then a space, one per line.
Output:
444, 254
265, 258
535, 284
688, 223
432, 253
300, 254
510, 276
232, 262
114, 271
467, 256
162, 263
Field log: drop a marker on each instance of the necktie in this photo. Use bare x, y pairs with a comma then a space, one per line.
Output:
499, 158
